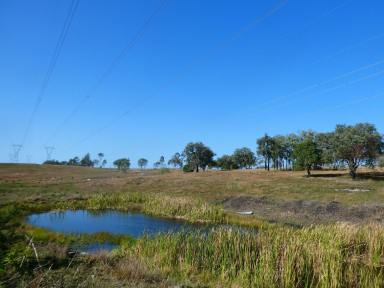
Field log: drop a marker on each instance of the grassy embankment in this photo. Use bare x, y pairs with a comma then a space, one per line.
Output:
338, 255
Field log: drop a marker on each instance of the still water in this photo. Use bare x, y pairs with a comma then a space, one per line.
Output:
113, 222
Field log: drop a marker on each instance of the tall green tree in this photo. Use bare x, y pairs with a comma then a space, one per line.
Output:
122, 164
290, 142
278, 151
326, 143
176, 160
162, 161
264, 149
226, 162
197, 155
101, 158
244, 158
86, 161
356, 144
75, 161
307, 155
142, 163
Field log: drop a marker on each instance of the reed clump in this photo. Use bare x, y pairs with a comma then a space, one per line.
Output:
193, 210
339, 255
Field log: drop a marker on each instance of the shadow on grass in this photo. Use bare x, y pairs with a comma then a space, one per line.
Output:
377, 176
328, 175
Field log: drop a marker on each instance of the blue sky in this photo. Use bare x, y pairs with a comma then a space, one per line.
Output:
220, 72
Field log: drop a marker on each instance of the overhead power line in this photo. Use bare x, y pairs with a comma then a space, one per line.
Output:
346, 84
108, 71
256, 21
349, 103
348, 48
52, 64
279, 99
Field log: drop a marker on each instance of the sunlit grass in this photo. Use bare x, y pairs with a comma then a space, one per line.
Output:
322, 256
337, 255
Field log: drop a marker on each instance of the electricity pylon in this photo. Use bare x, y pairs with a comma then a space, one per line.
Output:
16, 151
49, 150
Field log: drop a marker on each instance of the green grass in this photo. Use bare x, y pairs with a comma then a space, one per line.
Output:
189, 209
323, 256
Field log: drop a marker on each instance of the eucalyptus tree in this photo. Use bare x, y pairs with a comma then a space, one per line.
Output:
75, 161
264, 148
197, 155
278, 151
122, 164
95, 162
307, 155
176, 160
162, 162
326, 143
226, 162
356, 144
290, 142
101, 159
142, 163
86, 161
244, 158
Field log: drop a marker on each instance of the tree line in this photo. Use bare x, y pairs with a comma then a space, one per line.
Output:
85, 161
348, 146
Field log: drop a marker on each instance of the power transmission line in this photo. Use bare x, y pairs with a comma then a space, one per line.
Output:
52, 65
349, 83
348, 48
314, 20
268, 103
221, 45
349, 103
116, 61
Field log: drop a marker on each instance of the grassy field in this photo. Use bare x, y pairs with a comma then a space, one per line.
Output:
337, 239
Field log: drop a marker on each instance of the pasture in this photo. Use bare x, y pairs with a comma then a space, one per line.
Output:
322, 231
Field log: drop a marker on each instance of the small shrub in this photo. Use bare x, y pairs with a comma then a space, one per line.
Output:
187, 169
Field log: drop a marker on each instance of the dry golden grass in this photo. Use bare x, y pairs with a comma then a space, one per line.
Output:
47, 184
338, 255
63, 182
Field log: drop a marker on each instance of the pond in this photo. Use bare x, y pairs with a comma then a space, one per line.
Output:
113, 222
110, 221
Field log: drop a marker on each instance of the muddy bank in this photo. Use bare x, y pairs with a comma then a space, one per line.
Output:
304, 211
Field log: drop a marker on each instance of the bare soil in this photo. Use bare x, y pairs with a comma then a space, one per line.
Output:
304, 212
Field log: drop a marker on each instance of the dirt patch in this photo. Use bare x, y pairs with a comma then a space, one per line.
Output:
352, 190
305, 211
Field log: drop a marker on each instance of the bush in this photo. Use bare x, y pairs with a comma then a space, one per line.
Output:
187, 168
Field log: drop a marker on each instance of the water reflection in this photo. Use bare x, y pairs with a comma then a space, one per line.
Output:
113, 222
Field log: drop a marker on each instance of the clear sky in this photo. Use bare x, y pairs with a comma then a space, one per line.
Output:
220, 72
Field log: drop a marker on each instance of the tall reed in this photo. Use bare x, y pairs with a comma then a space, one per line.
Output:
186, 208
322, 256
